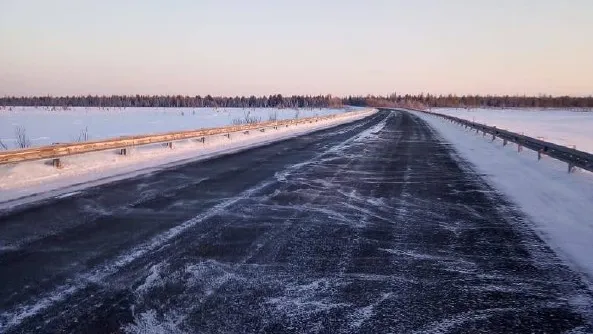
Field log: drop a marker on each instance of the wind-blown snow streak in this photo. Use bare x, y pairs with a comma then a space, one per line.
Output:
96, 276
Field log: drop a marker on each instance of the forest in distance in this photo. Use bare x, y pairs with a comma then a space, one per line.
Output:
421, 101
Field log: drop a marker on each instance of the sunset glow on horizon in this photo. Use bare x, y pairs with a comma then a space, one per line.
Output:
260, 47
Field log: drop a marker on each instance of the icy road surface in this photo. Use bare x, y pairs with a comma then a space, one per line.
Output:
374, 226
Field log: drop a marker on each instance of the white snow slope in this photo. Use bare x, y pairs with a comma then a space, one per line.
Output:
45, 127
557, 204
564, 127
34, 180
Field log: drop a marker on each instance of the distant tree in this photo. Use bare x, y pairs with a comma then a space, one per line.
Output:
22, 140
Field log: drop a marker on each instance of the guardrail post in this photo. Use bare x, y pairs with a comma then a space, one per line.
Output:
519, 148
504, 142
539, 154
123, 151
228, 135
570, 168
56, 162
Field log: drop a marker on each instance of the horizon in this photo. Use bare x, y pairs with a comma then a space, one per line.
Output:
539, 96
349, 48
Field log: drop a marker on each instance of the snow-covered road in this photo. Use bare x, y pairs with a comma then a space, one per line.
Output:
378, 226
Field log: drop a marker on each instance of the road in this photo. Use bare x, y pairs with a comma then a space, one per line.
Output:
375, 226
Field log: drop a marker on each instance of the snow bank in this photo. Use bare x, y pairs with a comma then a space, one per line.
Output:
563, 127
34, 180
45, 127
557, 203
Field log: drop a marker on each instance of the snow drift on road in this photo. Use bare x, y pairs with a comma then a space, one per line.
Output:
557, 203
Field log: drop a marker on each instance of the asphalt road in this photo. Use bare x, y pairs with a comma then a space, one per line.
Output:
374, 227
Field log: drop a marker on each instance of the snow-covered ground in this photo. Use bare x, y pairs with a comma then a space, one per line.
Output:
558, 204
44, 126
564, 127
34, 180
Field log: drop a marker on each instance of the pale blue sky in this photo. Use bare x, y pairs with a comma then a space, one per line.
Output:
229, 47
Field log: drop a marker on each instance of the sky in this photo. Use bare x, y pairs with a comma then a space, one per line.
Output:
338, 47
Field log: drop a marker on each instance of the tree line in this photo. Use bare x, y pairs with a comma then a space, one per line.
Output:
424, 101
421, 101
175, 101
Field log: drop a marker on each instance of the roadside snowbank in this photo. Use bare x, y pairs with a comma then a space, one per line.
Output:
563, 127
558, 203
35, 180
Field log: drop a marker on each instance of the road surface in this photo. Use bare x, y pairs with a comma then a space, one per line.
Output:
375, 227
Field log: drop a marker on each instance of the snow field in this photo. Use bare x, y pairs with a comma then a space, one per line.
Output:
556, 203
45, 127
563, 127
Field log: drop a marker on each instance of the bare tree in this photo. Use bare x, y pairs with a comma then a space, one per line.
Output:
247, 119
83, 135
273, 116
22, 141
3, 146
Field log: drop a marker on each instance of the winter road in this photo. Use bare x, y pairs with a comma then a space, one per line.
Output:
375, 226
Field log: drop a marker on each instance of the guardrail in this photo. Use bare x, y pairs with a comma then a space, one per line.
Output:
573, 157
123, 143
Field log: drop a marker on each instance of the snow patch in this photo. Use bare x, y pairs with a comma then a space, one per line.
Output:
300, 300
365, 313
154, 279
150, 322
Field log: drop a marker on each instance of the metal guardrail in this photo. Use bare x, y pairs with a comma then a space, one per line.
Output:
573, 157
62, 150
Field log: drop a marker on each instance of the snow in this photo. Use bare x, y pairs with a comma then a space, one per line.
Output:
556, 203
560, 126
35, 180
45, 127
